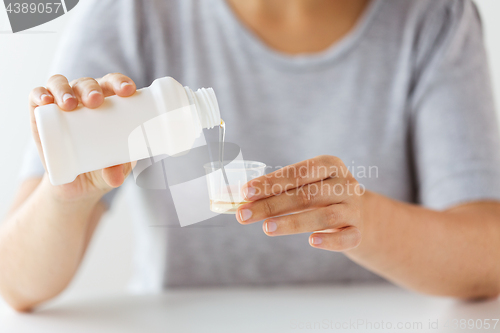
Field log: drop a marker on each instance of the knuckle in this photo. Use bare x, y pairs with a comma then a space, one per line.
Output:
333, 214
60, 87
105, 78
306, 196
329, 165
293, 225
56, 79
328, 190
83, 83
303, 172
83, 80
326, 159
112, 76
269, 208
268, 186
334, 160
323, 159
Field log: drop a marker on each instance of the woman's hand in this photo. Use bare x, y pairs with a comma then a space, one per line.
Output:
90, 93
318, 195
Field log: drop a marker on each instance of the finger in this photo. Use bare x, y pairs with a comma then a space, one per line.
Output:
59, 87
115, 176
117, 84
318, 194
294, 176
88, 92
40, 96
330, 217
339, 240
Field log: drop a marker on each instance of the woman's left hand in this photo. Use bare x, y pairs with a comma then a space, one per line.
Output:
319, 195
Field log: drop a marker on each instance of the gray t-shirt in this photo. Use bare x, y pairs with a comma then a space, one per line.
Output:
407, 92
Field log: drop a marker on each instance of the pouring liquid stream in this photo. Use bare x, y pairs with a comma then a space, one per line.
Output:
222, 135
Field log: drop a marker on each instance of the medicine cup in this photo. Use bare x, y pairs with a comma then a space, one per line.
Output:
224, 184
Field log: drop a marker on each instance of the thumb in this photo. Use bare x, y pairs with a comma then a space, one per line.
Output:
115, 175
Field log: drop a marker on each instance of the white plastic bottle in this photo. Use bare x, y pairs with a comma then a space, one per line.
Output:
164, 118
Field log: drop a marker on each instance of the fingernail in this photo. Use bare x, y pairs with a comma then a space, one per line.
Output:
245, 214
43, 96
124, 84
66, 97
270, 226
93, 92
249, 192
316, 240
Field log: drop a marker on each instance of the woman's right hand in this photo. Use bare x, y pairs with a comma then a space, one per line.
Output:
90, 93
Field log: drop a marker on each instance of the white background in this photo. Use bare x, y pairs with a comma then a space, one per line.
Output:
24, 61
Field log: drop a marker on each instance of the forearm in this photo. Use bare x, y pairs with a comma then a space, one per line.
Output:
41, 246
454, 253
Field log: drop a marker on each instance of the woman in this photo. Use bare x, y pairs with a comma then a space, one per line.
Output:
398, 86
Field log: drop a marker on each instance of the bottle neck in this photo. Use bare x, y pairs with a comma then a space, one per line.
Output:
206, 104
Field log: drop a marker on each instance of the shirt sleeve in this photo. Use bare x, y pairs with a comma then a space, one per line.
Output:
454, 128
103, 36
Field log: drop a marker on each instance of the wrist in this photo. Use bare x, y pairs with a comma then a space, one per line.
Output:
68, 195
372, 208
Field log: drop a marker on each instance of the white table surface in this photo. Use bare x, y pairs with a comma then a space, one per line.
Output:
283, 309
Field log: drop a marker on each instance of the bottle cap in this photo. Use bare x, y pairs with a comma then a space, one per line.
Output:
207, 106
